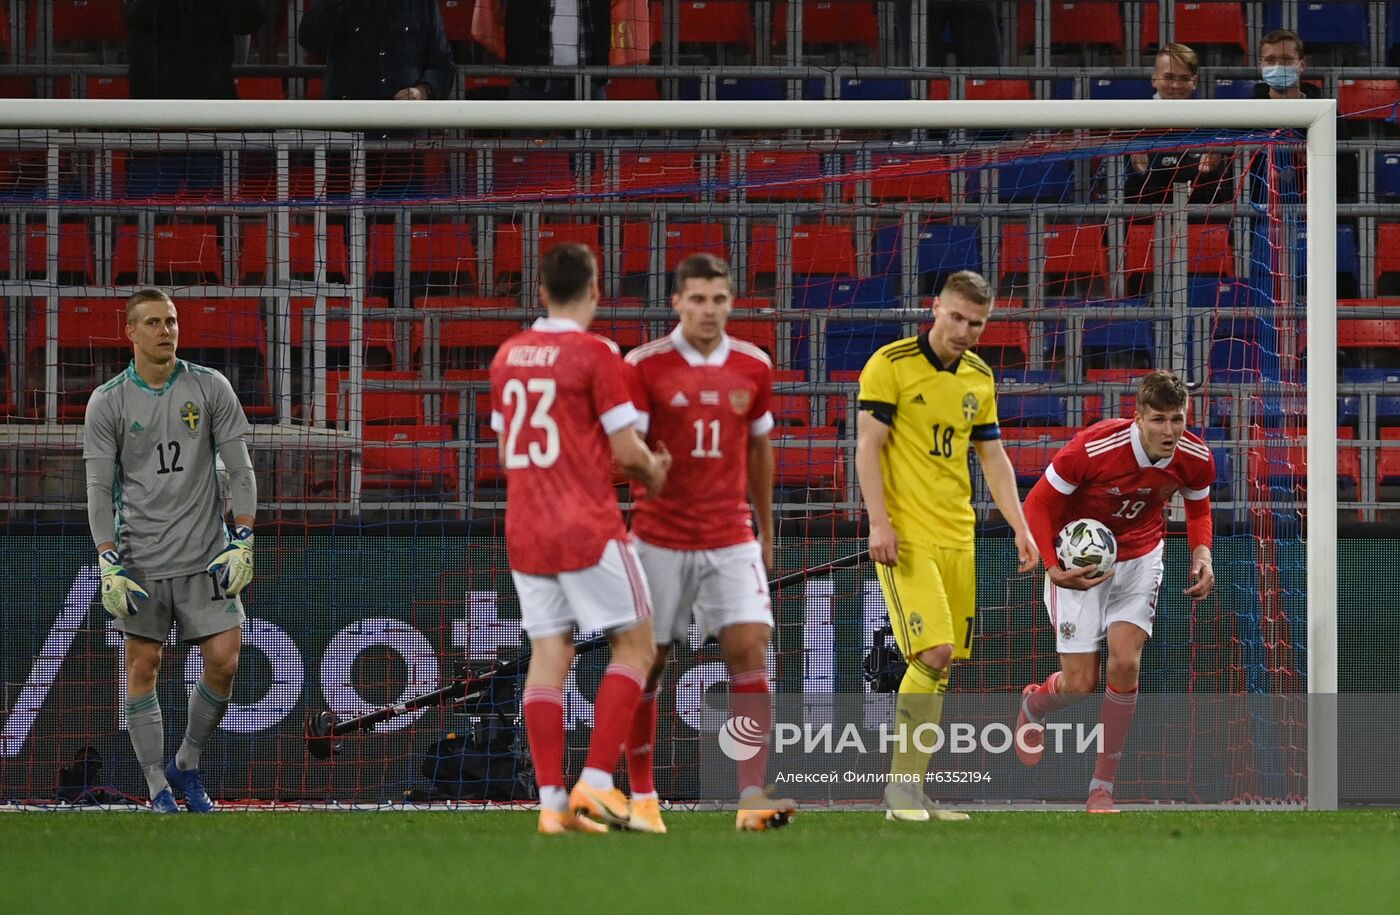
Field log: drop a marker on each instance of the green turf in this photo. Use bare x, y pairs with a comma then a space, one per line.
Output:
1233, 862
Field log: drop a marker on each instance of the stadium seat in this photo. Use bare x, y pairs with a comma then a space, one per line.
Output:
1369, 343
1073, 24
1119, 344
1071, 252
1388, 175
181, 254
469, 342
1232, 88
817, 249
809, 466
644, 175
790, 409
625, 89
759, 330
92, 347
88, 20
908, 176
267, 88
76, 262
772, 176
844, 292
1129, 89
378, 337
469, 411
1388, 259
1030, 409
722, 22
107, 87
412, 458
942, 248
1207, 292
865, 89
977, 89
1031, 448
228, 335
751, 89
377, 406
532, 174
1242, 350
685, 238
837, 22
1005, 345
510, 254
1198, 24
253, 265
1331, 22
1209, 251
1388, 458
442, 253
1368, 99
457, 19
1036, 182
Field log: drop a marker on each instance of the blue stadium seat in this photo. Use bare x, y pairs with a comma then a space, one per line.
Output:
1348, 258
1234, 88
1388, 171
1026, 376
750, 89
943, 248
1332, 22
845, 292
1120, 89
1207, 292
1243, 350
1392, 27
1039, 182
1224, 473
1120, 344
860, 89
848, 344
1030, 409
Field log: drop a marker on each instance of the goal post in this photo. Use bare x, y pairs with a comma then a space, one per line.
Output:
214, 124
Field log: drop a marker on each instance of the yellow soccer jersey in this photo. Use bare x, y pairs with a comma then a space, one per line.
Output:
934, 413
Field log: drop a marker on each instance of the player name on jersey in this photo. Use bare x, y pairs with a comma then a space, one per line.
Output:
532, 356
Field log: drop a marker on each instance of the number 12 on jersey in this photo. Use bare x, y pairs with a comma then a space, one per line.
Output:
516, 396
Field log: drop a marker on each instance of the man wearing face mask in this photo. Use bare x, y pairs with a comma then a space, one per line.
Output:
1281, 65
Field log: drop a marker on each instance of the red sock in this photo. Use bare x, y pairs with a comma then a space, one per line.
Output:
749, 697
1049, 698
1116, 716
543, 710
613, 710
640, 777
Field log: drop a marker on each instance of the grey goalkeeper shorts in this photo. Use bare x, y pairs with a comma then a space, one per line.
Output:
193, 601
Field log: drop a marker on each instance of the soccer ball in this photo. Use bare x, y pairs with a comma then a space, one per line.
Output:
1087, 542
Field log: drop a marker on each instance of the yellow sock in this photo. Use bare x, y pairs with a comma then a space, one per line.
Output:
919, 701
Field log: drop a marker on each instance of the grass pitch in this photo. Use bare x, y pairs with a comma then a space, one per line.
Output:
1234, 861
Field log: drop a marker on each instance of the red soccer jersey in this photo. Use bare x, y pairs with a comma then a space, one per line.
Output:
704, 408
1112, 480
557, 393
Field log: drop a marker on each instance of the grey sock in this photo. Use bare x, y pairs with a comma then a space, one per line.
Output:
206, 711
147, 730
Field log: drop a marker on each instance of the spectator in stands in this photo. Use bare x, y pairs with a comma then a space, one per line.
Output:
380, 49
1281, 65
560, 34
972, 28
1151, 175
183, 49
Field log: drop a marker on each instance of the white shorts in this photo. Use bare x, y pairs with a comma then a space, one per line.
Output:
721, 587
611, 595
1081, 618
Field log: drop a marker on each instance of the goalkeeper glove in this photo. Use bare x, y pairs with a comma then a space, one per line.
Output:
119, 590
233, 568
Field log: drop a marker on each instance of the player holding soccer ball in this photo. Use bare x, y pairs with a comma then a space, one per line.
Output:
704, 395
153, 433
560, 405
923, 402
1121, 472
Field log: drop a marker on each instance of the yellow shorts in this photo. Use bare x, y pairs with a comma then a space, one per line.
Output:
932, 598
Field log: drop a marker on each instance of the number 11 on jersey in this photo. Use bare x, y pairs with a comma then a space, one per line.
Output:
700, 451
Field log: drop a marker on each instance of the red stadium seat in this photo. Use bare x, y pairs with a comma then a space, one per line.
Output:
413, 458
686, 238
252, 256
532, 174
1069, 250
790, 409
75, 254
997, 89
1031, 449
439, 253
715, 22
455, 407
818, 249
1198, 24
381, 407
1209, 251
1368, 99
509, 253
907, 176
107, 87
762, 332
810, 464
92, 347
781, 175
1138, 254
261, 87
88, 20
625, 332
1005, 344
222, 324
1388, 458
656, 176
378, 337
190, 251
471, 340
457, 19
1073, 24
1388, 250
632, 90
841, 22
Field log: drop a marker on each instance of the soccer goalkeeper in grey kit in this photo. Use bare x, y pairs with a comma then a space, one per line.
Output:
151, 437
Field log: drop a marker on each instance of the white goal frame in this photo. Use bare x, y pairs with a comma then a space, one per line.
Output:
1316, 117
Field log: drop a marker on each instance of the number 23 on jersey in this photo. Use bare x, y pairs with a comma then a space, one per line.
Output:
534, 397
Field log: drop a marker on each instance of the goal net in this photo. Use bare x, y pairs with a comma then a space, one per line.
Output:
354, 288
